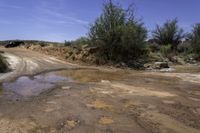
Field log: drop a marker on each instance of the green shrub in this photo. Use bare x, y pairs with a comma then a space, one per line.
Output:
154, 47
119, 36
80, 42
185, 47
67, 43
195, 37
165, 50
3, 65
168, 33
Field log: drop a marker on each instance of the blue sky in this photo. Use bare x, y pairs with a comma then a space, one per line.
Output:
59, 20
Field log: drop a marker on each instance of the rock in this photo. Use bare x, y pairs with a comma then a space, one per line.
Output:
70, 124
121, 65
92, 49
67, 55
177, 60
160, 65
193, 62
66, 87
105, 81
167, 70
76, 51
85, 46
147, 65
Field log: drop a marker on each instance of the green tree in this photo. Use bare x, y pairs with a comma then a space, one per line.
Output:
168, 33
195, 38
119, 35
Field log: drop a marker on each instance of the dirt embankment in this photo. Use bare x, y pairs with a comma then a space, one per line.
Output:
82, 54
86, 55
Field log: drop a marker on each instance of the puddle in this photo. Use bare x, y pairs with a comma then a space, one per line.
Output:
32, 86
27, 86
92, 75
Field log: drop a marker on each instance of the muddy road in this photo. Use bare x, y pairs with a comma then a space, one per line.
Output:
45, 95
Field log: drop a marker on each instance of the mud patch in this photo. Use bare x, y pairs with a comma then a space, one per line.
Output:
17, 126
105, 120
168, 102
69, 124
98, 104
92, 75
167, 124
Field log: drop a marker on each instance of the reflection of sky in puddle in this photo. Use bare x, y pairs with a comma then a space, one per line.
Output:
33, 86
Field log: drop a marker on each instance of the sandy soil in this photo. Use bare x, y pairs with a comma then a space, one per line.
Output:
98, 101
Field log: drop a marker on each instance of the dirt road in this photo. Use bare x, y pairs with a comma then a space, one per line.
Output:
39, 97
27, 62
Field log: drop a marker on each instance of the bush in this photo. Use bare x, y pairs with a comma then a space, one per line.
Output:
195, 37
154, 47
185, 47
67, 43
80, 41
165, 50
3, 65
119, 36
168, 33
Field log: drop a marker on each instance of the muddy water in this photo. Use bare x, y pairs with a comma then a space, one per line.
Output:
92, 75
86, 99
27, 86
34, 85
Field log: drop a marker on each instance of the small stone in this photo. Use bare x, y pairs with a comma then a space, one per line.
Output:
160, 65
66, 87
70, 124
105, 81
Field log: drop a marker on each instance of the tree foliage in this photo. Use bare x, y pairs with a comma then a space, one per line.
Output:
168, 33
195, 37
120, 36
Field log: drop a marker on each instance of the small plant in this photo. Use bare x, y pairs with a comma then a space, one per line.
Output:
168, 33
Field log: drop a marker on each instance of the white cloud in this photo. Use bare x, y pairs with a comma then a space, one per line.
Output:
50, 12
